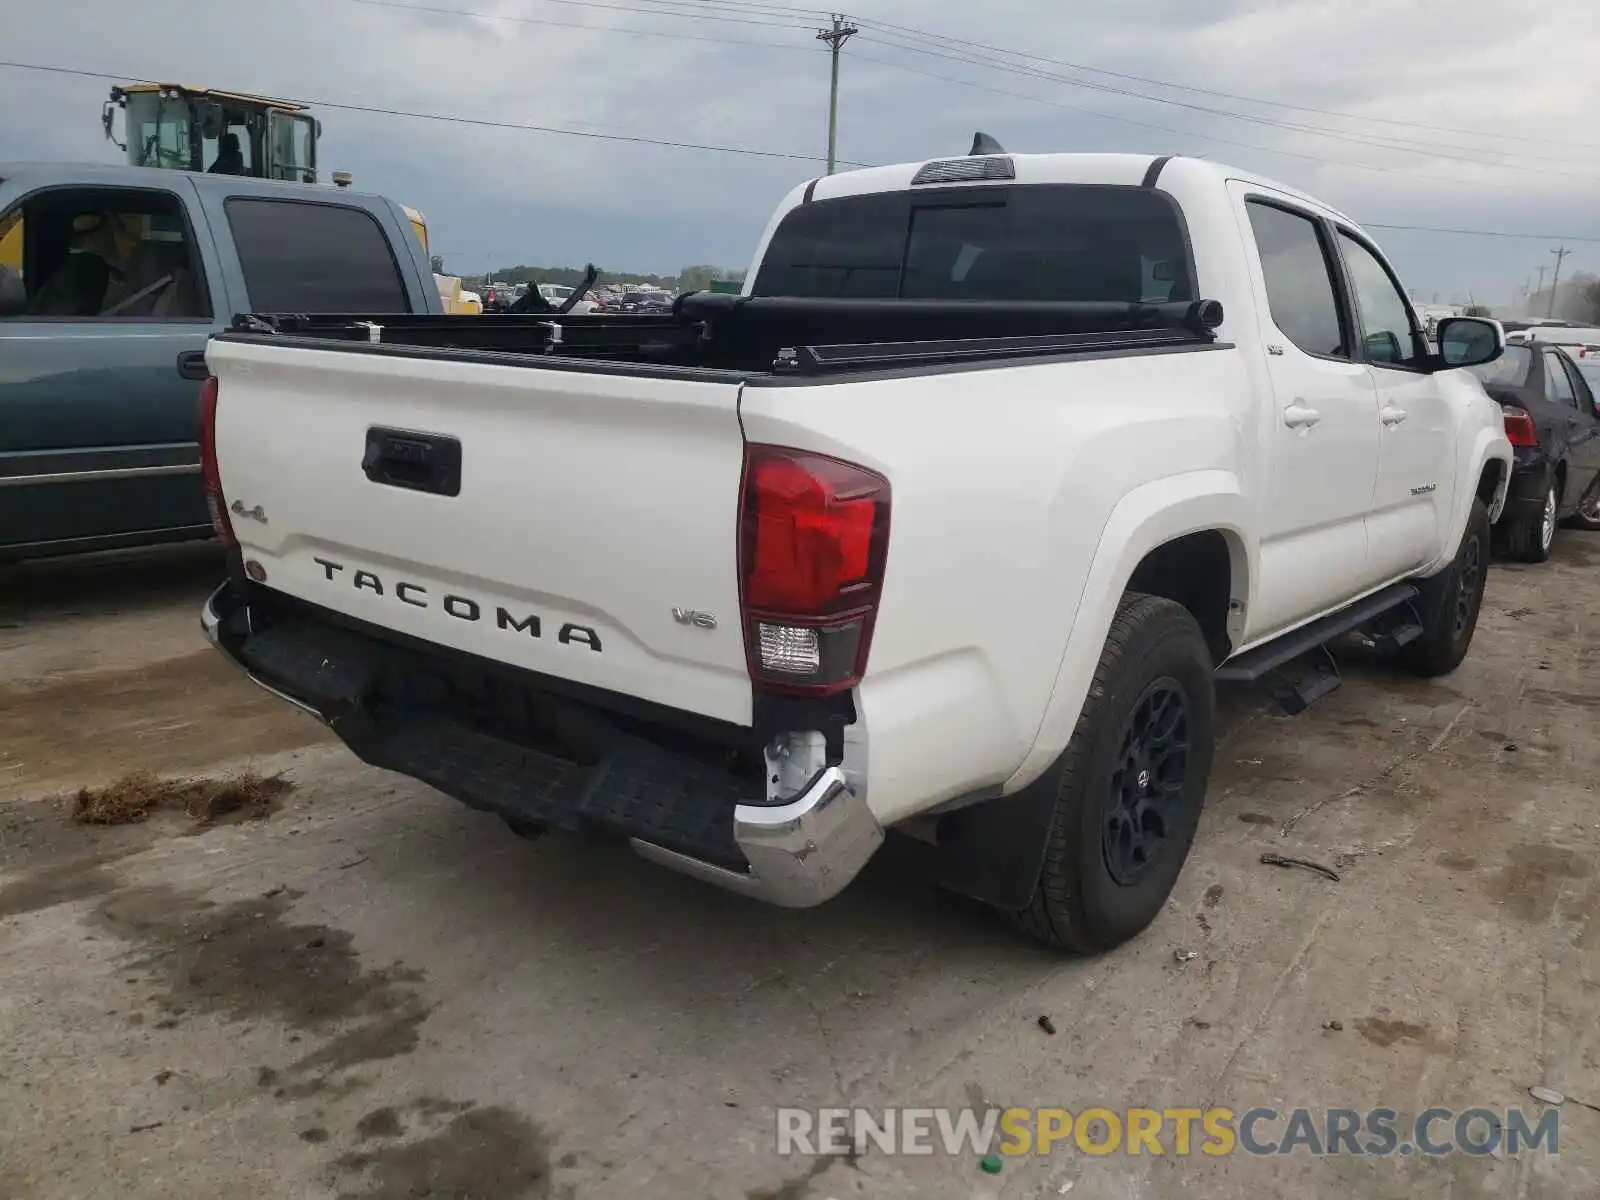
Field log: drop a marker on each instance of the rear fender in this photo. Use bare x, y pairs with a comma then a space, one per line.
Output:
1147, 517
1487, 444
994, 850
1490, 445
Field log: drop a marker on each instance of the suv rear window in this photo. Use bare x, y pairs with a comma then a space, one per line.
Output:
1061, 242
301, 257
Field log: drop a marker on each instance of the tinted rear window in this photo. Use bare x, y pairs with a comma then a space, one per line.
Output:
1032, 242
1510, 370
315, 258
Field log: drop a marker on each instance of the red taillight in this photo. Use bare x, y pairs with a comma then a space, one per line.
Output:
814, 534
1519, 426
208, 463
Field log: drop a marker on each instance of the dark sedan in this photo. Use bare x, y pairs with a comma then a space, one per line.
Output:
1554, 429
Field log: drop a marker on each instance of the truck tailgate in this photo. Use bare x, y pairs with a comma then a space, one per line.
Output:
592, 533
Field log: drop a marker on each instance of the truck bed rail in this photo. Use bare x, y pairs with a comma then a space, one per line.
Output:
776, 335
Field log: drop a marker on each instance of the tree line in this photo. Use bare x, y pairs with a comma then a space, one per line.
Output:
1577, 299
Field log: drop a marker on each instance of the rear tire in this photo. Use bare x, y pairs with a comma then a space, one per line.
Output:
1130, 785
1528, 537
1450, 602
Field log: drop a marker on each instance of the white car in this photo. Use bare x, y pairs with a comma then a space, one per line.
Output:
557, 294
951, 525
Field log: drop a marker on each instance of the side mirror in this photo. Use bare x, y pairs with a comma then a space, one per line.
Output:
1469, 341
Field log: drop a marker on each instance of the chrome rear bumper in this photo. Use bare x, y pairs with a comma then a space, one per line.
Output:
800, 853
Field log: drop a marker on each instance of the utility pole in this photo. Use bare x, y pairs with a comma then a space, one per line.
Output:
835, 38
1537, 290
1555, 280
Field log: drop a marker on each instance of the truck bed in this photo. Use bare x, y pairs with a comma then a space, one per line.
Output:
718, 336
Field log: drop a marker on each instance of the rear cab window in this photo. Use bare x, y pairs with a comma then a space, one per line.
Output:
1025, 242
311, 257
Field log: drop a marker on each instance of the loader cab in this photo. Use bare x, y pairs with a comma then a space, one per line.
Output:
199, 129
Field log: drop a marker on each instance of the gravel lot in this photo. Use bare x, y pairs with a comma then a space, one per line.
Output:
373, 992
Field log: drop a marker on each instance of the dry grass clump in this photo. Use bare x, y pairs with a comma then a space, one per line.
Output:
246, 795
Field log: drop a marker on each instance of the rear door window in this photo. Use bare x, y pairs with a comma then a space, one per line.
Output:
1298, 272
1038, 242
300, 257
1583, 395
1557, 387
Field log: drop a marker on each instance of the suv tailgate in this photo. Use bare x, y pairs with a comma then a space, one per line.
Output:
593, 536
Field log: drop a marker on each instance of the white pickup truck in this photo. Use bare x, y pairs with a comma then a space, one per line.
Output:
950, 523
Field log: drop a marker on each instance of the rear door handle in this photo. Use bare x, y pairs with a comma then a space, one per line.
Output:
192, 365
1300, 416
1392, 415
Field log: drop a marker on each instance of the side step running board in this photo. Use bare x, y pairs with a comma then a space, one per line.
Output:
1263, 660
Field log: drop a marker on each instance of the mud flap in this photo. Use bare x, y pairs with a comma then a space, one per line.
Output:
994, 850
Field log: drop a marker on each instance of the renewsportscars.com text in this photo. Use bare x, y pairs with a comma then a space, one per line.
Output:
1214, 1132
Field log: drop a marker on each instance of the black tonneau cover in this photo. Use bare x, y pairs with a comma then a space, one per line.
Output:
780, 335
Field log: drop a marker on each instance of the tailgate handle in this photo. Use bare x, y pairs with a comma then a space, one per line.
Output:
422, 462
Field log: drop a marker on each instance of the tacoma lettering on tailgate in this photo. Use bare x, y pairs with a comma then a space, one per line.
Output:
462, 608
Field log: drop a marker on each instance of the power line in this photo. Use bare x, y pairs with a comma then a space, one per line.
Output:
909, 31
971, 60
699, 8
1313, 130
834, 37
1487, 233
1117, 117
477, 122
736, 150
1008, 67
1555, 280
1323, 159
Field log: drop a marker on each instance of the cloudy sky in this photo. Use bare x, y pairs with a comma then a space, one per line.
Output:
1398, 111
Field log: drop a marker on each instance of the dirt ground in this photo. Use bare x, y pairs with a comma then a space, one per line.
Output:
374, 993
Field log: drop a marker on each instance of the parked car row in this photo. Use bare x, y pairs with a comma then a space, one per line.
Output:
501, 296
